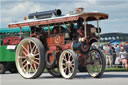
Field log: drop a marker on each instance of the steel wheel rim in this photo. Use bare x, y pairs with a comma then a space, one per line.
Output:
96, 63
67, 64
27, 58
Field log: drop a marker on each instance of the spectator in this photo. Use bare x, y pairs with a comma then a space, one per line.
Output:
117, 49
113, 54
123, 58
126, 48
108, 56
104, 47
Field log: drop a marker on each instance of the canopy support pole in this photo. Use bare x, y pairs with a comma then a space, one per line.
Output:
20, 33
85, 28
67, 27
59, 28
98, 29
48, 30
11, 38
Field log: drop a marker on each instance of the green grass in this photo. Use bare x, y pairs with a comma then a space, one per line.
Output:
107, 69
116, 69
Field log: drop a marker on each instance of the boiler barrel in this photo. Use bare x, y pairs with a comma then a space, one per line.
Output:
76, 46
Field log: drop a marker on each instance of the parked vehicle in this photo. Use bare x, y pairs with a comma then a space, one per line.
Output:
61, 49
9, 38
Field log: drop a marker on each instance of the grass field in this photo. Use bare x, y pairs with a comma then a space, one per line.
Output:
116, 69
108, 69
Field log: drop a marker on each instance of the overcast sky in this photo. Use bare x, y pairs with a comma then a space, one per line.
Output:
16, 10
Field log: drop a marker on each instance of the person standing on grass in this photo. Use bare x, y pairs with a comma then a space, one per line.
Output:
117, 49
108, 56
123, 57
113, 54
126, 48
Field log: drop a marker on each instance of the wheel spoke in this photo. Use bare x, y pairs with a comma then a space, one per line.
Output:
31, 69
69, 56
34, 66
36, 54
24, 53
24, 61
35, 62
24, 66
72, 65
25, 49
65, 69
30, 47
65, 59
36, 50
27, 68
21, 57
69, 71
63, 64
37, 58
33, 48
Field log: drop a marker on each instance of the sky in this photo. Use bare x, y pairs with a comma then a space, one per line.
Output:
15, 10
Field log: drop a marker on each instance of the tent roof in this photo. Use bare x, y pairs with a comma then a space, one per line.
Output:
15, 30
114, 42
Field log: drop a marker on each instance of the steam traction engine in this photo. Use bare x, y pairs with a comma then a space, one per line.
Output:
61, 44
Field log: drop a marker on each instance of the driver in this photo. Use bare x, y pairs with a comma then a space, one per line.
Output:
80, 30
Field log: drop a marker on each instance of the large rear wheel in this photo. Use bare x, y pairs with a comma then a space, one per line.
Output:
96, 62
30, 60
68, 64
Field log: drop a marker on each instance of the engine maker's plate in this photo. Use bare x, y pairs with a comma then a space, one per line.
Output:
55, 39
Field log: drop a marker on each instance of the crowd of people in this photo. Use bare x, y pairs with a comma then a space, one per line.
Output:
115, 54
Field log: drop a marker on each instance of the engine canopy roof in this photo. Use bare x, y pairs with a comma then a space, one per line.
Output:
88, 16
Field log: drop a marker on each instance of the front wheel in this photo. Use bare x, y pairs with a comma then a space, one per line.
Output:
30, 60
96, 62
68, 64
